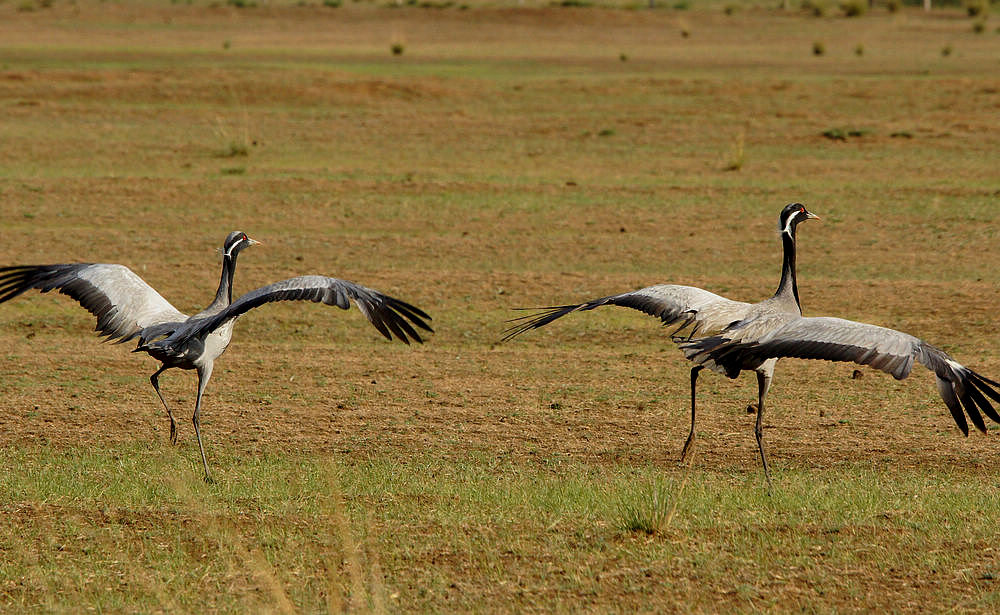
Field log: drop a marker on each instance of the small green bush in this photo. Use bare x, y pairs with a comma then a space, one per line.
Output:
396, 49
842, 134
859, 50
894, 5
854, 8
816, 8
975, 8
818, 48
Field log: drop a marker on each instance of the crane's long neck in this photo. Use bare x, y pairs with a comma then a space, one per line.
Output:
224, 296
787, 287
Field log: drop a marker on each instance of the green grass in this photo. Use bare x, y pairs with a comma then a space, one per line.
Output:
134, 528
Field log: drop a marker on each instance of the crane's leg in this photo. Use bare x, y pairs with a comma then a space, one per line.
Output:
764, 374
690, 440
204, 373
155, 380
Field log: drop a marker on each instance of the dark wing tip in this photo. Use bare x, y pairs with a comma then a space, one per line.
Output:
540, 318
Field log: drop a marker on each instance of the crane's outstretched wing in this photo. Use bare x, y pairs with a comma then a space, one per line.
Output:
122, 302
689, 306
836, 339
387, 314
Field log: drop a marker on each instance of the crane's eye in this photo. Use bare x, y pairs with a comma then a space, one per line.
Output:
244, 236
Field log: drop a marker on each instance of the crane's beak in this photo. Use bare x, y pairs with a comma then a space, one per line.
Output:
253, 242
811, 216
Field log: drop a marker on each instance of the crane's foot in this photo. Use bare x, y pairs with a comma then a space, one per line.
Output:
688, 447
209, 480
173, 432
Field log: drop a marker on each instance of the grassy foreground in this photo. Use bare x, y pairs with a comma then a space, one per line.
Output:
123, 530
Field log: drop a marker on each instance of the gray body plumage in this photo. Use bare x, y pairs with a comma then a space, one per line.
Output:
730, 337
128, 308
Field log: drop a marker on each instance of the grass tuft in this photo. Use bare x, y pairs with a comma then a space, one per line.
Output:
645, 510
737, 154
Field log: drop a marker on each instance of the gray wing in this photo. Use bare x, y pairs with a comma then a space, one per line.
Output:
836, 339
389, 315
687, 306
122, 302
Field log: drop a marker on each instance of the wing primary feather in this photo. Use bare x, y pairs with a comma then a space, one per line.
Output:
972, 410
415, 314
951, 400
973, 388
393, 325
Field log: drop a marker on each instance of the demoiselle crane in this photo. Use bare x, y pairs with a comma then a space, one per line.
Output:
127, 308
729, 337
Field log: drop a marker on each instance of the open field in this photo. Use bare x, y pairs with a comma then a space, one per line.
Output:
508, 157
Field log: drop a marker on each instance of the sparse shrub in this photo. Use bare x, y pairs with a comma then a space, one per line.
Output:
682, 5
236, 149
731, 9
234, 171
573, 3
818, 48
979, 27
894, 5
396, 49
623, 57
859, 50
946, 51
242, 4
606, 132
226, 44
854, 8
816, 8
331, 4
737, 154
685, 33
975, 8
902, 134
841, 134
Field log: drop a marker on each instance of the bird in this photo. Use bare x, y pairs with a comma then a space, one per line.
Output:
127, 308
729, 337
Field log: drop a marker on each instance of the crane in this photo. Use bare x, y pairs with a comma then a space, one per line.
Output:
729, 337
128, 308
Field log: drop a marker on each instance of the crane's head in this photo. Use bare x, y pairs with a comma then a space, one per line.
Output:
791, 215
235, 242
